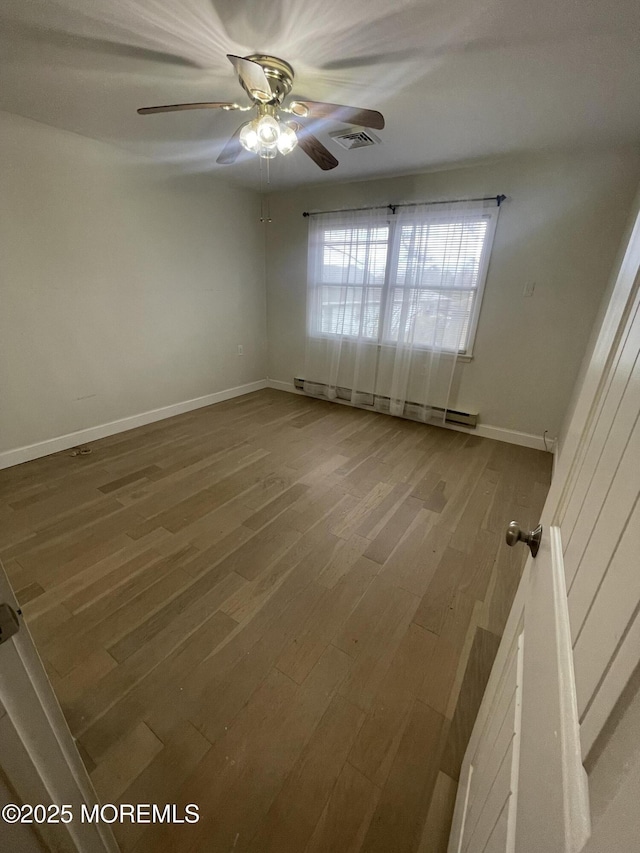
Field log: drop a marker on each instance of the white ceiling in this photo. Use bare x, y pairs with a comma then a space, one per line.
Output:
455, 79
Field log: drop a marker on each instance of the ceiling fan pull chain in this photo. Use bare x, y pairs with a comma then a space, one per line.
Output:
261, 189
267, 201
264, 197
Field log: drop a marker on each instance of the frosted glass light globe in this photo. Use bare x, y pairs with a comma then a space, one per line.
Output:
287, 140
268, 131
249, 137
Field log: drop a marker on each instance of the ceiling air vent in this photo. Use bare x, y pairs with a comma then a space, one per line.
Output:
355, 137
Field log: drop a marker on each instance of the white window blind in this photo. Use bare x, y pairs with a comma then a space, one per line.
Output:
416, 278
352, 278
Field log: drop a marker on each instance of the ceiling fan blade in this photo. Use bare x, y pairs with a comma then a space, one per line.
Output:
207, 105
314, 149
253, 78
231, 150
337, 112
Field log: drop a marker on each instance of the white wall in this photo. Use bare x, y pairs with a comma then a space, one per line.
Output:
632, 219
122, 289
560, 228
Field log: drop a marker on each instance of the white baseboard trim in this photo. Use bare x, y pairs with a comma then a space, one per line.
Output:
511, 436
72, 439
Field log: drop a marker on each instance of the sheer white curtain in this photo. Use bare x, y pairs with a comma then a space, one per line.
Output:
393, 300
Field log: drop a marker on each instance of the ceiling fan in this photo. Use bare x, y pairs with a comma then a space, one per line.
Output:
268, 80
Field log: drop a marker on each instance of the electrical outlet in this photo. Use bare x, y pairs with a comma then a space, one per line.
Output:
528, 289
240, 349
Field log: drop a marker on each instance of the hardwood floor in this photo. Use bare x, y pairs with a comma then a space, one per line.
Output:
280, 609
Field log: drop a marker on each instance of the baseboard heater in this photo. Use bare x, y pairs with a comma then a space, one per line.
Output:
381, 404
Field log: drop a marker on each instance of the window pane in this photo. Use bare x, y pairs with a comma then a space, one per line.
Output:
354, 255
430, 318
353, 311
440, 254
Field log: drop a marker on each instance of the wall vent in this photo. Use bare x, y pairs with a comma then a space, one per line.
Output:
355, 137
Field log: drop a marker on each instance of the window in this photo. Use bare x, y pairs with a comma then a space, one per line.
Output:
417, 277
352, 278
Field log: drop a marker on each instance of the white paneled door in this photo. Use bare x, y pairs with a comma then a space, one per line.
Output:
572, 640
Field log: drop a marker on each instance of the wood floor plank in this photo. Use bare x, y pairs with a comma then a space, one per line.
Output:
223, 683
262, 780
479, 563
84, 677
392, 703
261, 550
332, 610
124, 762
346, 815
134, 477
364, 619
223, 765
70, 647
90, 591
298, 807
483, 652
190, 606
29, 592
153, 697
436, 601
70, 535
118, 683
362, 512
348, 553
404, 802
181, 753
475, 512
387, 539
273, 508
376, 653
441, 668
258, 751
381, 511
409, 564
255, 595
268, 607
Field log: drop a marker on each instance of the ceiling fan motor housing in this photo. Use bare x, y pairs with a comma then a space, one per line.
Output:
278, 72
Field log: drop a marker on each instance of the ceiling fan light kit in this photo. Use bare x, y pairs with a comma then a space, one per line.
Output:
265, 135
268, 80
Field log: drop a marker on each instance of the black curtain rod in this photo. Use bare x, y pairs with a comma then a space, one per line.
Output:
392, 207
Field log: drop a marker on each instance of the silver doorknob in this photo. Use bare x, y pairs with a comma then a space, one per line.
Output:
532, 539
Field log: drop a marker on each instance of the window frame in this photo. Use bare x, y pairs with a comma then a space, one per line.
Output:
393, 247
